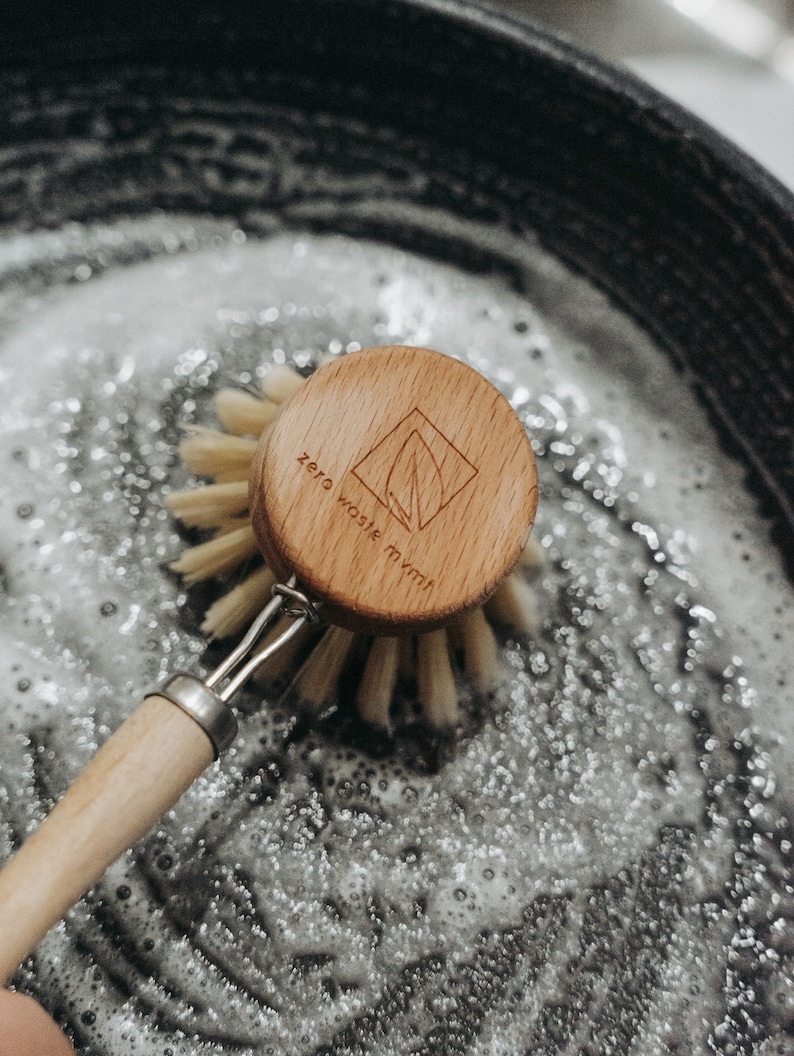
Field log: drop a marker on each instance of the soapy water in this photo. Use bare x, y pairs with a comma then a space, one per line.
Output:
602, 865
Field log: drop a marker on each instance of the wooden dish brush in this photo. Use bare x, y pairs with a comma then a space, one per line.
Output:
394, 491
431, 660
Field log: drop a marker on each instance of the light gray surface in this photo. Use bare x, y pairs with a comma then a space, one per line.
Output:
751, 105
744, 89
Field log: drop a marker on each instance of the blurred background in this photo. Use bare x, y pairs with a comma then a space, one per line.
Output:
731, 62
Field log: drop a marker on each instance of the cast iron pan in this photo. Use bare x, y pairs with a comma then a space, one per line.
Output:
679, 227
388, 111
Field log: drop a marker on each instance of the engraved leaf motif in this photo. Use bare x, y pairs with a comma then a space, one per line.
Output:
414, 488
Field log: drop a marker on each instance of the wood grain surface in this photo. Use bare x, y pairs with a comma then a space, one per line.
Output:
398, 485
133, 780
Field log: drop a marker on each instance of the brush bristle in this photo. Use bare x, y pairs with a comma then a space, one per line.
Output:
480, 653
280, 383
282, 662
210, 453
242, 413
533, 558
209, 506
217, 557
236, 609
513, 605
438, 693
378, 680
315, 683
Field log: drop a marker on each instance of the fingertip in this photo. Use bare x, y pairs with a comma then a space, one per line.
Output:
27, 1030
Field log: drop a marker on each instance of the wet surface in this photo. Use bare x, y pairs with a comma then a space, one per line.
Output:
603, 864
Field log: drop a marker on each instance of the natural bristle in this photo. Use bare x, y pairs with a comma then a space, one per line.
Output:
210, 453
280, 383
437, 690
217, 556
242, 413
282, 663
235, 610
316, 681
533, 557
479, 650
376, 688
513, 605
209, 506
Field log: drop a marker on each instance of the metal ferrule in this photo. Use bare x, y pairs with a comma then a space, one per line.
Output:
205, 701
212, 714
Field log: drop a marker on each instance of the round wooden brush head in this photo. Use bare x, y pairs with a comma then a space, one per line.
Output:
398, 486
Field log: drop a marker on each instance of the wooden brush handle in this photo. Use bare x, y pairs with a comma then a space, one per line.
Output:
133, 780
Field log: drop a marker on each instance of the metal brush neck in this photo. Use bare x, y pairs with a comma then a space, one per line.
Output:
208, 704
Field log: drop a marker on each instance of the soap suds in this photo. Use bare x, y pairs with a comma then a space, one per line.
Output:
604, 863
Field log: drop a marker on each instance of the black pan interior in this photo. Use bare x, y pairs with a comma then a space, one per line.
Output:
444, 106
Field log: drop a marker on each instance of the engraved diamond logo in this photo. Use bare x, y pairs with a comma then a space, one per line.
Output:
414, 471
